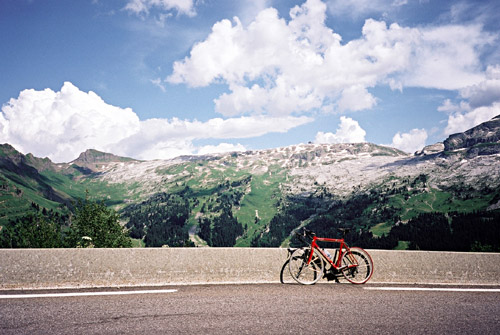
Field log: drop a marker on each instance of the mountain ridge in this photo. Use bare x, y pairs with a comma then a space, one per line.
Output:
461, 174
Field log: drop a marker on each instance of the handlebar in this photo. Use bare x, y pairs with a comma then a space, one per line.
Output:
306, 233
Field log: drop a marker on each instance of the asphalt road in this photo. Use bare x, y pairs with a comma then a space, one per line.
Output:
255, 309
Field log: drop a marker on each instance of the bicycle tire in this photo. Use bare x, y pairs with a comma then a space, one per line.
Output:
282, 273
303, 273
363, 271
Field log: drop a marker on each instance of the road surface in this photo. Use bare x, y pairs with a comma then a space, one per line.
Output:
325, 308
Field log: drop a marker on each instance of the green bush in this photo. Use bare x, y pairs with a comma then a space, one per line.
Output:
94, 225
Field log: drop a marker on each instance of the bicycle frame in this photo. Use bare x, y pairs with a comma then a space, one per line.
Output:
335, 264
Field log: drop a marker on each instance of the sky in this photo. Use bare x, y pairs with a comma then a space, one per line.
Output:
156, 79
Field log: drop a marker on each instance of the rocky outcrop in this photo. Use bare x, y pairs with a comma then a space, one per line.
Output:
431, 149
483, 139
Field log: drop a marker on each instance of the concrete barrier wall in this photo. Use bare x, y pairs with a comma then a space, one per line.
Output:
51, 268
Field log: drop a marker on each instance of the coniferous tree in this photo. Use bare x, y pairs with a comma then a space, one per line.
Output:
34, 230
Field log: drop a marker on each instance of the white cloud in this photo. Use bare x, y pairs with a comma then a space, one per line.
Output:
410, 142
447, 57
60, 125
348, 131
481, 103
356, 98
139, 7
486, 92
449, 107
222, 147
276, 67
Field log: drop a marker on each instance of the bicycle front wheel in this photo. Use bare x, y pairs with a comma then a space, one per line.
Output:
302, 272
357, 266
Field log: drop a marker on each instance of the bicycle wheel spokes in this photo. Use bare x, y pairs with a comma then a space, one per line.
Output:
302, 272
357, 266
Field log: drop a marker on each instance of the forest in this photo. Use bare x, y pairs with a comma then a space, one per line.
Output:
222, 230
161, 220
477, 231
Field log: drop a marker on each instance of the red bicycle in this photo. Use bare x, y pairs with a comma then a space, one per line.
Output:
306, 265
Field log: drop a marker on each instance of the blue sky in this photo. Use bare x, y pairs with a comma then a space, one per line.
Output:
154, 79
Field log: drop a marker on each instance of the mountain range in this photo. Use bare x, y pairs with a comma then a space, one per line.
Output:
253, 188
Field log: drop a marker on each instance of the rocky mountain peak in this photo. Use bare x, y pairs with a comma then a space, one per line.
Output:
92, 156
7, 151
483, 139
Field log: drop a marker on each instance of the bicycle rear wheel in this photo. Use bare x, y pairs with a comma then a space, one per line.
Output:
302, 272
360, 273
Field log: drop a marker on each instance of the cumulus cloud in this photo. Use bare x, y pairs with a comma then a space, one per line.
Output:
141, 7
356, 98
481, 103
348, 131
410, 142
60, 125
277, 67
